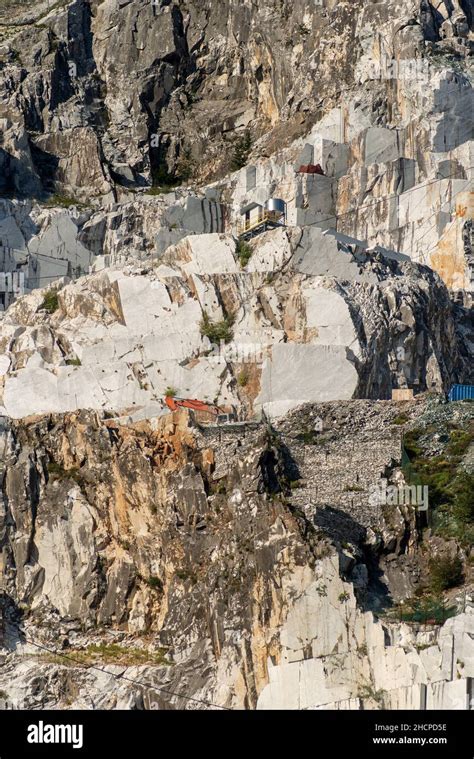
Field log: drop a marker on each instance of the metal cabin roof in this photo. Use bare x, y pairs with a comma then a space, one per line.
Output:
250, 207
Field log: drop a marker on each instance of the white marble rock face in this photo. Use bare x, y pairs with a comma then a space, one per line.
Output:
120, 199
119, 338
350, 658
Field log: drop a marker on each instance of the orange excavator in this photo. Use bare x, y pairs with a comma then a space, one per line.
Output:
174, 403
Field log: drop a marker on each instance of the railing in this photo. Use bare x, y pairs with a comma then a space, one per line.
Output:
274, 217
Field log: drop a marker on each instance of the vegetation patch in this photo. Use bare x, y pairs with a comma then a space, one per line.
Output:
186, 574
451, 488
445, 572
154, 582
296, 484
50, 302
162, 180
63, 201
217, 331
311, 437
429, 609
186, 166
114, 654
241, 151
400, 419
57, 472
368, 692
459, 442
243, 252
218, 488
243, 378
411, 443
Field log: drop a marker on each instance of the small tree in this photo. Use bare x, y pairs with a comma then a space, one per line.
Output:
162, 179
241, 152
185, 166
445, 572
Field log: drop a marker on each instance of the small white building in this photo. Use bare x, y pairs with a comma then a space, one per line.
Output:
256, 218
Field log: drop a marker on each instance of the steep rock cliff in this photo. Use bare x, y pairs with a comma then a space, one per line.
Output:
168, 559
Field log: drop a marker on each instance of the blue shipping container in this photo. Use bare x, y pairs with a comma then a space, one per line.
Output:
461, 392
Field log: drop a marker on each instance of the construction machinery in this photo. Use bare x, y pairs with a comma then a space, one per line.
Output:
219, 415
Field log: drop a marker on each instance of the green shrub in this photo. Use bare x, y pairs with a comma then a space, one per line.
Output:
162, 180
411, 445
217, 331
63, 201
400, 419
50, 302
241, 151
218, 488
56, 471
155, 582
184, 574
368, 692
460, 440
113, 653
311, 437
185, 166
296, 484
243, 378
171, 392
463, 494
73, 361
451, 489
445, 572
243, 252
429, 608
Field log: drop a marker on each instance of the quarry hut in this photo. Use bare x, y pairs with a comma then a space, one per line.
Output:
256, 218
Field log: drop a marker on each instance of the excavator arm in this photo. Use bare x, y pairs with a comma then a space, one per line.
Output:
174, 403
